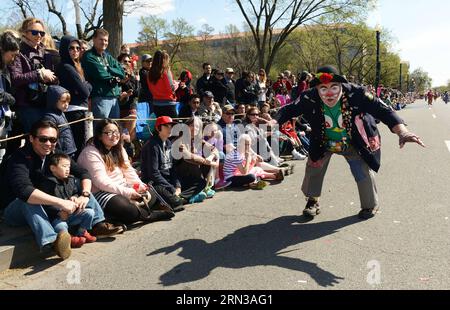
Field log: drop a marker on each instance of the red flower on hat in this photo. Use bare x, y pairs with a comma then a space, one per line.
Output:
326, 78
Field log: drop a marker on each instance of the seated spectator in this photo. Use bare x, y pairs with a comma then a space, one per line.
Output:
24, 201
240, 111
258, 136
239, 167
210, 110
192, 109
157, 164
116, 185
58, 99
59, 183
197, 167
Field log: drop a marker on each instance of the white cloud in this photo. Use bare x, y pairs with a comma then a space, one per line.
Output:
202, 21
152, 7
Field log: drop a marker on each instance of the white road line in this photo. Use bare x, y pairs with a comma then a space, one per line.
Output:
434, 116
448, 145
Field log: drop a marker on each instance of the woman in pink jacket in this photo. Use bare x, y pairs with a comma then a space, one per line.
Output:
115, 183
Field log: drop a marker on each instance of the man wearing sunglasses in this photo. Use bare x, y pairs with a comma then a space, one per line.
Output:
24, 170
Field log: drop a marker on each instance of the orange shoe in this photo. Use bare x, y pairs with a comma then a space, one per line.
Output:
77, 242
89, 238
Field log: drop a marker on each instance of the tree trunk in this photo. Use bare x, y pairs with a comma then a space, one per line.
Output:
112, 22
76, 5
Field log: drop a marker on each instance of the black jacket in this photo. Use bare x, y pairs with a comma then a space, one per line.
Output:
219, 89
58, 188
144, 93
157, 164
203, 84
24, 170
359, 102
69, 78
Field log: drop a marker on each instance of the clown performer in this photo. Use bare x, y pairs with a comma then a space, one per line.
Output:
342, 118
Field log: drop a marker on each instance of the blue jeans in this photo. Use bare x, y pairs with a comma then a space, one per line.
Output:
28, 116
105, 107
20, 213
84, 219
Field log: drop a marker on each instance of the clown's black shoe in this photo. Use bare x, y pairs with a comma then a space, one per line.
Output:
312, 208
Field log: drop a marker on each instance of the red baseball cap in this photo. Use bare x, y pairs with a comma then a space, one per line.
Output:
164, 120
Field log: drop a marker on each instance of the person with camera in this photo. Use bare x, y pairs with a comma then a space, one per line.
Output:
104, 73
29, 77
9, 49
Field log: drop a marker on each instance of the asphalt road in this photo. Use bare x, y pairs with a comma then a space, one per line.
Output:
258, 240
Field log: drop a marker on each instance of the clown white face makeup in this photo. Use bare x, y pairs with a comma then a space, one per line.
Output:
330, 93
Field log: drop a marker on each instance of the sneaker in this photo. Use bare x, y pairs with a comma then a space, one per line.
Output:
77, 242
221, 184
367, 214
197, 198
260, 185
209, 193
104, 230
297, 156
312, 208
89, 238
62, 245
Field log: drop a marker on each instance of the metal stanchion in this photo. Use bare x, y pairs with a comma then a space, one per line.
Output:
89, 126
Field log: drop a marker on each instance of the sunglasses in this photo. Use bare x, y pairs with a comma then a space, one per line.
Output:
36, 32
229, 113
43, 139
74, 48
127, 61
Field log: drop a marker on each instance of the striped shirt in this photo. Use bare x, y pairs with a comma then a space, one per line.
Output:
232, 161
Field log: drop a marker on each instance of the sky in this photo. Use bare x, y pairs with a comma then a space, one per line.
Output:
420, 27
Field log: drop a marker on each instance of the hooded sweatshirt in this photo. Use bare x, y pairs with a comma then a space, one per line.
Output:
66, 141
69, 78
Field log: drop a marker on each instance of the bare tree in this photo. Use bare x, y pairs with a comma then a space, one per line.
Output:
52, 9
205, 33
264, 16
180, 32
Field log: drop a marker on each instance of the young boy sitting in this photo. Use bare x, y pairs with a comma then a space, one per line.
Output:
62, 185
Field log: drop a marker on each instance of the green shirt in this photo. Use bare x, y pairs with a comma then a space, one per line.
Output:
99, 70
334, 125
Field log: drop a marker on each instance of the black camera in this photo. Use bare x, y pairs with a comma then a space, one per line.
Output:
113, 82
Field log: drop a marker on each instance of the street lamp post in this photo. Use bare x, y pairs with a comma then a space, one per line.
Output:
400, 78
378, 65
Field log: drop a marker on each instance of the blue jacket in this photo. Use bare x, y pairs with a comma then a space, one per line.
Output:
66, 142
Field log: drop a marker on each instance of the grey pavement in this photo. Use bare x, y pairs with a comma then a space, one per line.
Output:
258, 240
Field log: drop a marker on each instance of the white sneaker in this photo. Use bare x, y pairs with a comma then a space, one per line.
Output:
297, 156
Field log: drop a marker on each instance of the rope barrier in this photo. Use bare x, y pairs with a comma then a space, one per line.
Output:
90, 118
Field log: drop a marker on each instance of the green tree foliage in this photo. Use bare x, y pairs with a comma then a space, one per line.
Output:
421, 80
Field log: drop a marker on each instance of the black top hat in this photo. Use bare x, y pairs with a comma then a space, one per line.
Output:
327, 74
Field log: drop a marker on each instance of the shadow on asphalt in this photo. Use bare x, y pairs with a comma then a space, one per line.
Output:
256, 245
